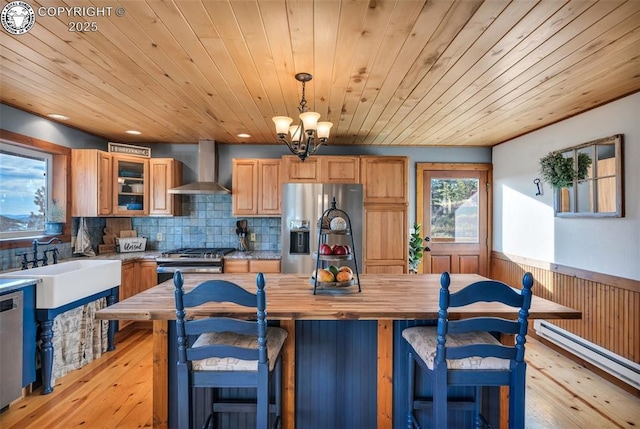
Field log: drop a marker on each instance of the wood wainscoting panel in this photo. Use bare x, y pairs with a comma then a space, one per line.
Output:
610, 305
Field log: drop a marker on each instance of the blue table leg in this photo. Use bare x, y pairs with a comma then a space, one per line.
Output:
111, 332
46, 355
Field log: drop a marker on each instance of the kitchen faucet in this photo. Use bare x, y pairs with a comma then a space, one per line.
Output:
44, 259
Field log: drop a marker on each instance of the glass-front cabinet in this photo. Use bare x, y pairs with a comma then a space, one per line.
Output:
131, 186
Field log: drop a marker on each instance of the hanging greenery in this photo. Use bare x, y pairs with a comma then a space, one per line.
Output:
558, 170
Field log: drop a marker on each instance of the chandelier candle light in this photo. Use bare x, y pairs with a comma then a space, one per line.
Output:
309, 134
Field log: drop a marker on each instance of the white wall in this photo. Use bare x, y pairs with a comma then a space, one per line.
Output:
524, 224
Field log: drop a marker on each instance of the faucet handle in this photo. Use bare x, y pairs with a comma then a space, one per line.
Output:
55, 255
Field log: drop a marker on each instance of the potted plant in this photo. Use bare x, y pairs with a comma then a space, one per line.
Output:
416, 246
559, 172
55, 218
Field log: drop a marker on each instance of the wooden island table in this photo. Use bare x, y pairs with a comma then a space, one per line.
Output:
363, 327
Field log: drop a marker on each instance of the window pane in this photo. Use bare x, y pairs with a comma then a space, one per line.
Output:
454, 210
585, 196
606, 195
23, 191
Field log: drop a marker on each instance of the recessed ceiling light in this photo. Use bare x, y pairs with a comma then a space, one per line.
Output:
244, 135
134, 132
58, 117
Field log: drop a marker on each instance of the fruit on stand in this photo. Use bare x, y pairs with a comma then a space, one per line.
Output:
325, 249
325, 276
347, 269
338, 224
344, 276
333, 269
340, 250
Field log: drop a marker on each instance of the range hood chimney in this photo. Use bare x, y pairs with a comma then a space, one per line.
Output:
207, 173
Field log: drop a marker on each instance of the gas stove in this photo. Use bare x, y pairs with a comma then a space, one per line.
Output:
195, 254
193, 260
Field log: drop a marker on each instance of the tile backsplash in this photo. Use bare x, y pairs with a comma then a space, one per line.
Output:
206, 222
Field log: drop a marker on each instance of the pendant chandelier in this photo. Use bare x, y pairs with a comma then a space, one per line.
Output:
306, 137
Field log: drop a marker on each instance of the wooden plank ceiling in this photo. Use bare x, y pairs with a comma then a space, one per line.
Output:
405, 72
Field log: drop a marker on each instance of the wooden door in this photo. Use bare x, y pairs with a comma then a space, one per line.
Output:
340, 169
244, 187
166, 173
269, 187
296, 171
453, 203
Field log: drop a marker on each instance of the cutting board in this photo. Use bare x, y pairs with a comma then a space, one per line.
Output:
118, 224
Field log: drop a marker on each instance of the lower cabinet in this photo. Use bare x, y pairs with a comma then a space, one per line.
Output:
137, 276
251, 266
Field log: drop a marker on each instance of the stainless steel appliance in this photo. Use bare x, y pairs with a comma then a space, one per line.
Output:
11, 347
191, 260
302, 206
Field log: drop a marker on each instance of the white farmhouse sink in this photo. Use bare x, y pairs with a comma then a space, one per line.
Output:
70, 281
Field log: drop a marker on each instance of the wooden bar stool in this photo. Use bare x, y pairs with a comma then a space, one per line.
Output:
465, 353
227, 352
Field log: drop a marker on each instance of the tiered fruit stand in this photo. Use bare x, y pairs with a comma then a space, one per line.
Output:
332, 224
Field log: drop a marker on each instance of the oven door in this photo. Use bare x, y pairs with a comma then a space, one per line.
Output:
166, 271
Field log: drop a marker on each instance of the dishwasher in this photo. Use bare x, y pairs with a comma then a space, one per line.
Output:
11, 350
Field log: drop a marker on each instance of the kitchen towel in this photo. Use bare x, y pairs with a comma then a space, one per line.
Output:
83, 240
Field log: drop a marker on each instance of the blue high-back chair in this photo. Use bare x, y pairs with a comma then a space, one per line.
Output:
465, 353
227, 352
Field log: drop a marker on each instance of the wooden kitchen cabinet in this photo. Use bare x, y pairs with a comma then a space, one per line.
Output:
339, 169
137, 276
166, 173
385, 240
385, 179
251, 266
130, 186
91, 183
264, 266
106, 184
256, 187
295, 171
321, 169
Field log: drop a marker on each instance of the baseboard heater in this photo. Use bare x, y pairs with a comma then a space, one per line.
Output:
616, 365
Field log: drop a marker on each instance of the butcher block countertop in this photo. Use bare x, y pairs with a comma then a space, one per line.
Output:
290, 297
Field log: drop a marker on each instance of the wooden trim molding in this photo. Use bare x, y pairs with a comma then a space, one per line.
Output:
579, 273
610, 305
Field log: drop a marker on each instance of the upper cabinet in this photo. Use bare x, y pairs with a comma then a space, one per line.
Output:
339, 169
320, 169
166, 173
106, 184
91, 183
385, 179
256, 188
294, 170
130, 186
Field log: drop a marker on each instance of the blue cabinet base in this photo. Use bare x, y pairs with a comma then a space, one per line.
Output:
46, 316
336, 384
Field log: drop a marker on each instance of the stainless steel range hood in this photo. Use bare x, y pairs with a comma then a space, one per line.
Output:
207, 173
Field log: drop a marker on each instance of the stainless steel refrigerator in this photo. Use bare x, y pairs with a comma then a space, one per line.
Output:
302, 206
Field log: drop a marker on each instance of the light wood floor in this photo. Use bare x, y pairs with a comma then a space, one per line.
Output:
115, 392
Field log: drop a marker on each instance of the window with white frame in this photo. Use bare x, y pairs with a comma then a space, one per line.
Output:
25, 181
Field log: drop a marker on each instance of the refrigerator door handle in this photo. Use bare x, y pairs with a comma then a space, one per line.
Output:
319, 207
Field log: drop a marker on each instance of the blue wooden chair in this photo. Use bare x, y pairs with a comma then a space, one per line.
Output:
227, 352
465, 353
